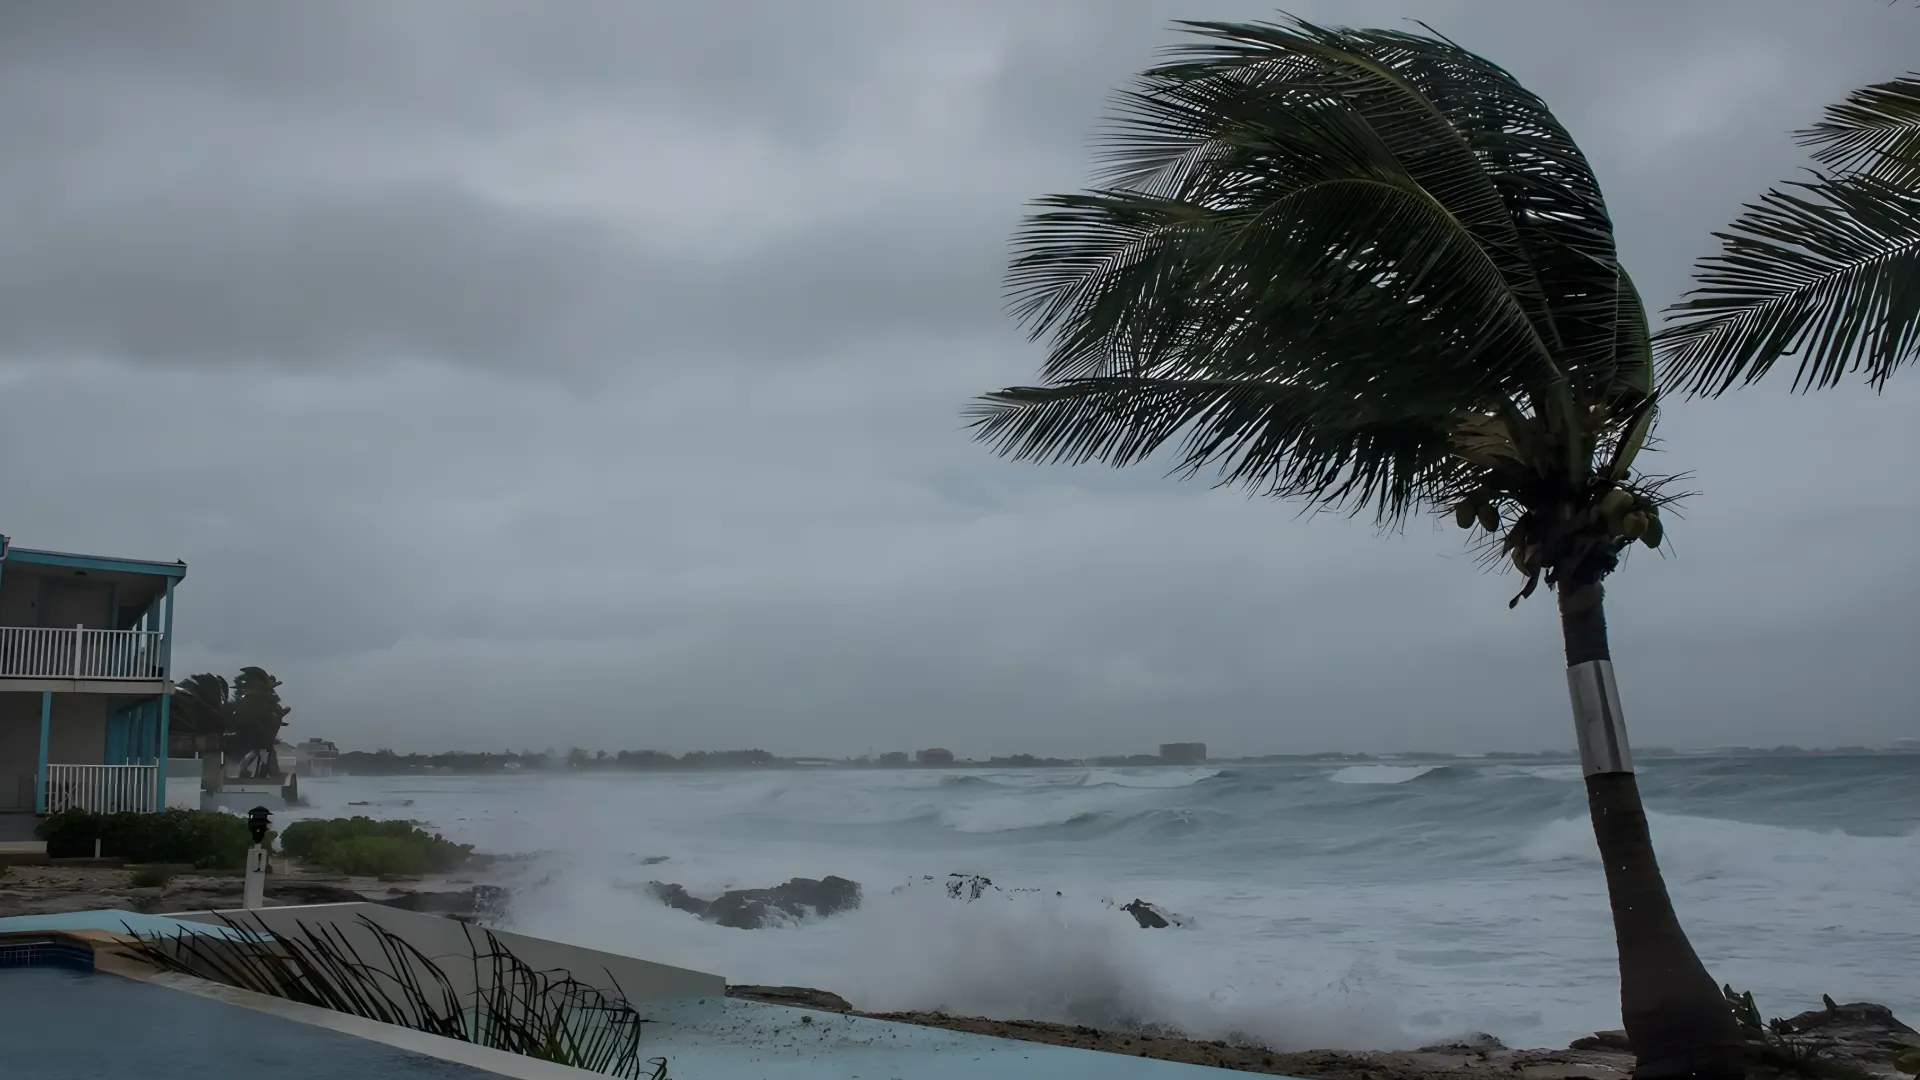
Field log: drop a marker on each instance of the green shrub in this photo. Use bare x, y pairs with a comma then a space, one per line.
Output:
373, 856
151, 877
207, 839
365, 846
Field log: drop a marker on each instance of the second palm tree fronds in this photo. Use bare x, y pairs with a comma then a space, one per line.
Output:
1827, 271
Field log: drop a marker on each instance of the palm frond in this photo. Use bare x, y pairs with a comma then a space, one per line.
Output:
1875, 131
1314, 250
1827, 271
1280, 439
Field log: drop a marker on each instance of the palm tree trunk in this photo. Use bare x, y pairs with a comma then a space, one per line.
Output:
1676, 1018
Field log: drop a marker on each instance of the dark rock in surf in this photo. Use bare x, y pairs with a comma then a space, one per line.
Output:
1150, 916
799, 997
474, 902
968, 887
965, 887
752, 909
1603, 1040
1478, 1042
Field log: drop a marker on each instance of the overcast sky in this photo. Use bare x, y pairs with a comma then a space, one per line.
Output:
525, 375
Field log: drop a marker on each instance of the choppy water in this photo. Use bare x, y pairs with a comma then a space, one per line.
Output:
1361, 906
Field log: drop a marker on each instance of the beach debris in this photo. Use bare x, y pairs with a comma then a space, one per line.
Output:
753, 909
1859, 1030
1859, 1035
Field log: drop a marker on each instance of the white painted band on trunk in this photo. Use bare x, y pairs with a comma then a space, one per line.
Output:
1598, 721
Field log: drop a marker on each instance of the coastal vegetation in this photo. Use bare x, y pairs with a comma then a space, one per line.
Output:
1827, 270
372, 848
1370, 271
241, 717
207, 839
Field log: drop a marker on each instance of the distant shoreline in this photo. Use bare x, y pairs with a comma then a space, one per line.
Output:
388, 763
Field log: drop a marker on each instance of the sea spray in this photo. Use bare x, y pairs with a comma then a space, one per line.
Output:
1326, 911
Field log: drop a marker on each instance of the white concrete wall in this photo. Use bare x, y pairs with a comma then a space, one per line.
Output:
446, 940
183, 793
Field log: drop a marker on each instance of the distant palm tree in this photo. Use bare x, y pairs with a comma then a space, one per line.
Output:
1370, 270
202, 707
1827, 270
245, 716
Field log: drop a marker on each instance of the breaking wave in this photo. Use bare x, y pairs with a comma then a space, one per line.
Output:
1334, 904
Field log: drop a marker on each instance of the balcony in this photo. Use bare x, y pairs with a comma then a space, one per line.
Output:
103, 789
33, 652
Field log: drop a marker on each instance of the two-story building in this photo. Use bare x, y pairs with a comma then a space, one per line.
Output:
85, 680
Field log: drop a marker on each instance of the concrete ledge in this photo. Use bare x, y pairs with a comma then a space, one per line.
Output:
639, 981
418, 1042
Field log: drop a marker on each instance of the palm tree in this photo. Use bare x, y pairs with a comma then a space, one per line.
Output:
1370, 270
1827, 270
202, 707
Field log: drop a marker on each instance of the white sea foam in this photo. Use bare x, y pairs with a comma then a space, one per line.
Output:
1155, 778
1012, 955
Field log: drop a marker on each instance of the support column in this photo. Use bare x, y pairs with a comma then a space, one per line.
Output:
166, 637
46, 731
166, 698
160, 774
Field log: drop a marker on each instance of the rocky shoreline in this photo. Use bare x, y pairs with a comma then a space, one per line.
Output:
1857, 1041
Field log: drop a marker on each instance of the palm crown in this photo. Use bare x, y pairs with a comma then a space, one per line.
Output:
1360, 267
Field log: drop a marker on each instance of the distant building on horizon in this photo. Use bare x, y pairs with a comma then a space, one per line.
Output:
894, 759
935, 756
1183, 753
315, 757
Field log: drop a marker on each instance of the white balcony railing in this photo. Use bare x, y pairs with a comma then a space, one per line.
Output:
34, 652
103, 789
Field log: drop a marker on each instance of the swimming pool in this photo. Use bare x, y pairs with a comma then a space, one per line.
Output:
57, 1023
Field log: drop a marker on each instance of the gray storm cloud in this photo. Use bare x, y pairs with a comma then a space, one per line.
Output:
519, 376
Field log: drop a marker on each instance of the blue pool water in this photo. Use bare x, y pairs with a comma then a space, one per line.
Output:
57, 1024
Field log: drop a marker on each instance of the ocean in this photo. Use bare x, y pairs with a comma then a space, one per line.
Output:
1347, 906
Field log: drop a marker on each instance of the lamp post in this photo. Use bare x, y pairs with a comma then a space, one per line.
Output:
254, 894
